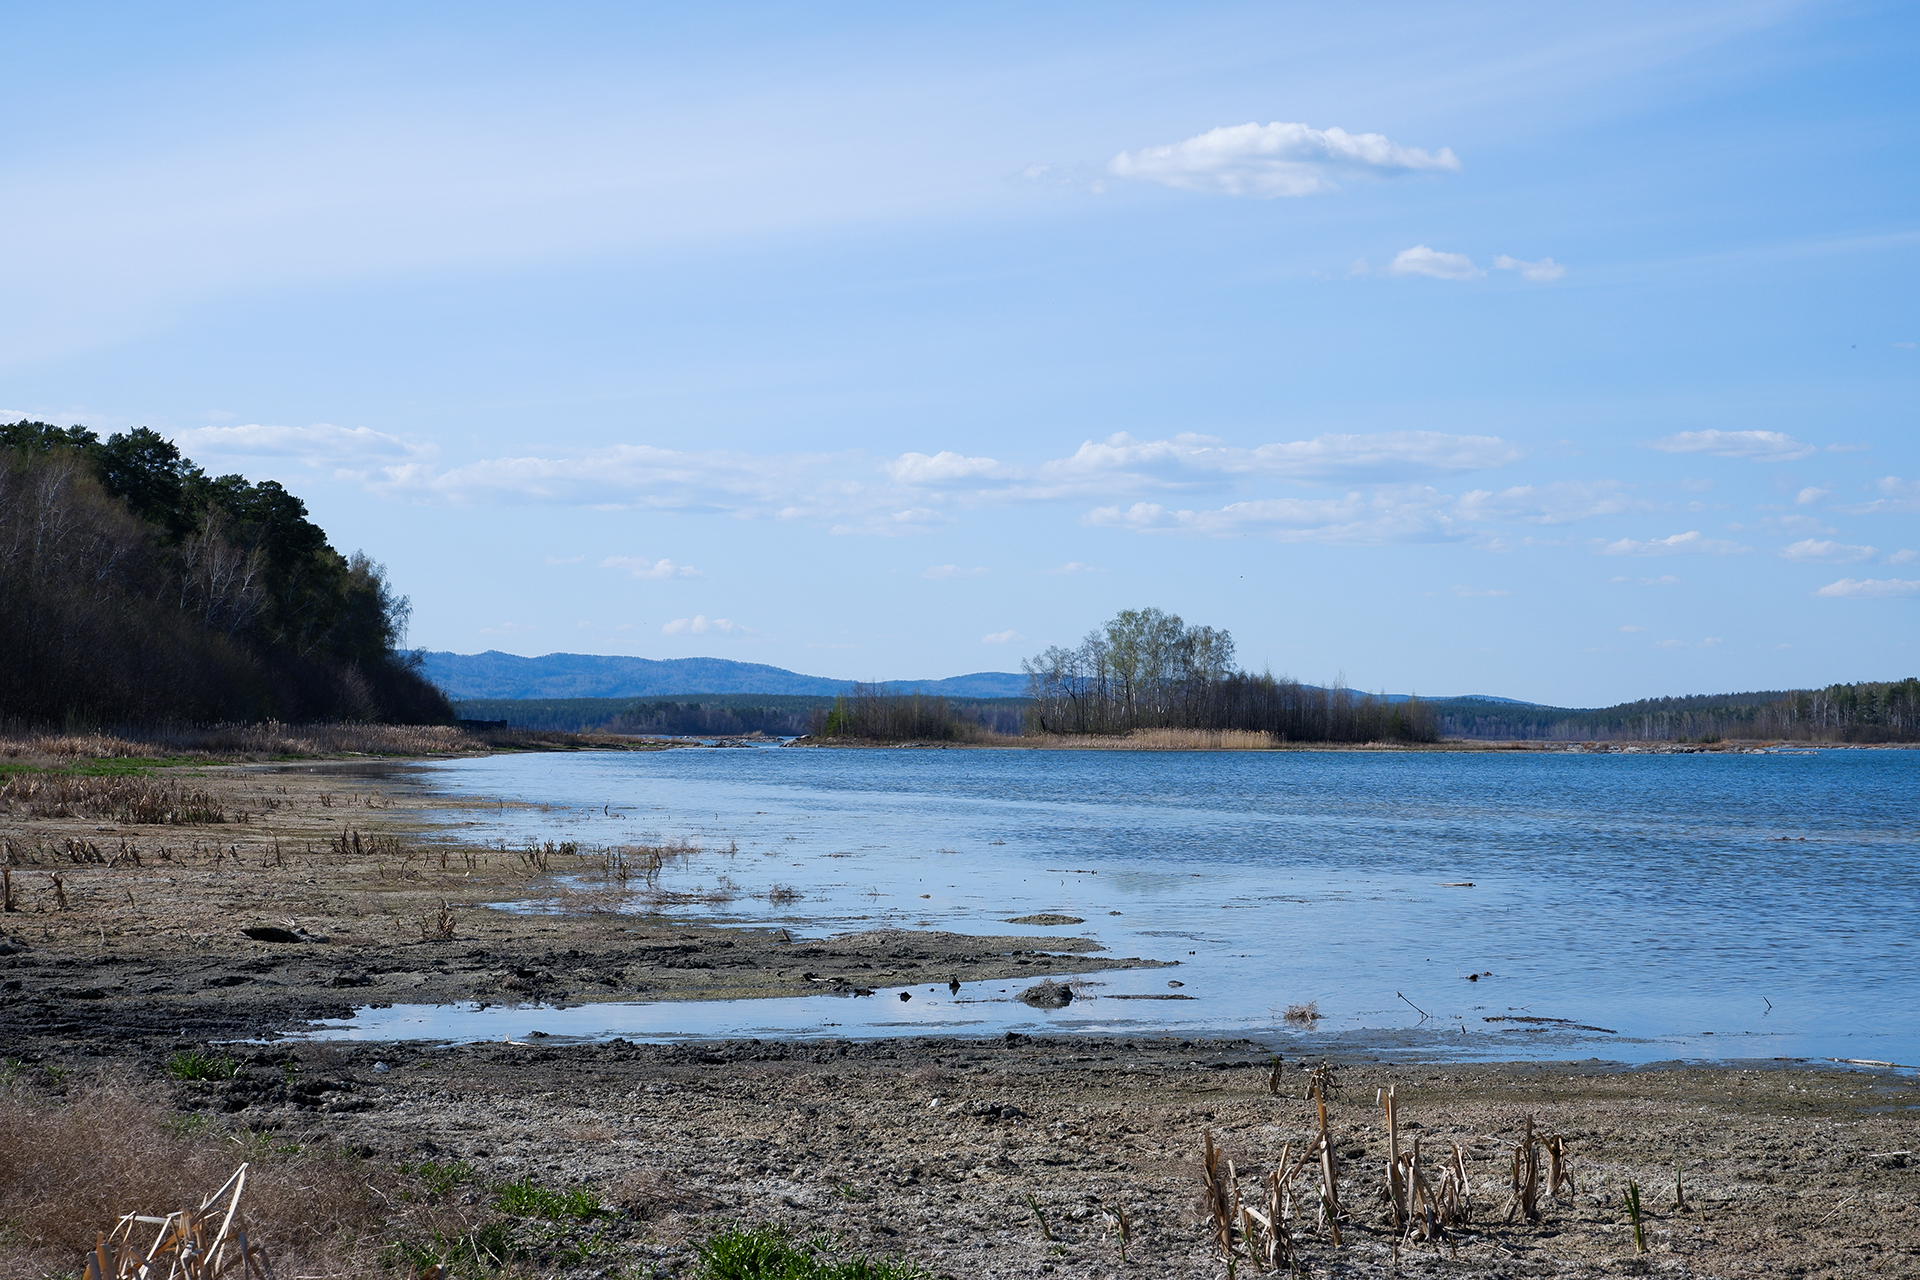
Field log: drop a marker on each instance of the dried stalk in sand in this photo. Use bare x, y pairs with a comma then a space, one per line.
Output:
1633, 1214
1526, 1176
183, 1248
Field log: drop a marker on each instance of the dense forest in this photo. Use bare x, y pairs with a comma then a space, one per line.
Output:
137, 589
1864, 712
1146, 669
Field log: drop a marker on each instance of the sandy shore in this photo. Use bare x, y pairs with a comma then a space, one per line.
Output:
937, 1149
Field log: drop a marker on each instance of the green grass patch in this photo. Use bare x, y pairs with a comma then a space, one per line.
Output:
192, 1064
104, 767
437, 1177
773, 1253
527, 1199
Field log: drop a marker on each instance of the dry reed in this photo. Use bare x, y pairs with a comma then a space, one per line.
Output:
1156, 740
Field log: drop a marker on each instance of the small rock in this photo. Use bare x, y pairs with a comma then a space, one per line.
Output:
1047, 995
380, 1067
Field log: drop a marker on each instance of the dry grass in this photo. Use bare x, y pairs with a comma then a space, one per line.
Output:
71, 1167
133, 801
1157, 740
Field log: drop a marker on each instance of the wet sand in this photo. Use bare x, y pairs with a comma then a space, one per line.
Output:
923, 1147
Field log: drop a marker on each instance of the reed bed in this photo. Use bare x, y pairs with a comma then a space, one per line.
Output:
1157, 740
1428, 1197
130, 800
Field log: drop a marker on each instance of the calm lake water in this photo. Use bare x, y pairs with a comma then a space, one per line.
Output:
1694, 906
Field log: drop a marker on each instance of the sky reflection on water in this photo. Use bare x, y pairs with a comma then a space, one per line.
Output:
1711, 905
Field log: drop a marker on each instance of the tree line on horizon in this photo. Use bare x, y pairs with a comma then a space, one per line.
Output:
136, 589
1865, 712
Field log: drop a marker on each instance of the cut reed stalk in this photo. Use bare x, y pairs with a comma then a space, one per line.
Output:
1633, 1215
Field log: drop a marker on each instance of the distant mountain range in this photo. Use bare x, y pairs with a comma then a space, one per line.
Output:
585, 675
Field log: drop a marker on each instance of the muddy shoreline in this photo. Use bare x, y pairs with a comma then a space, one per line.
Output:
949, 1150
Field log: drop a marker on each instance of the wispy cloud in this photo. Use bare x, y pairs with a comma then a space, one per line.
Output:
1822, 551
1692, 542
1664, 580
1189, 457
1760, 446
1278, 159
953, 571
945, 467
1071, 567
1398, 514
700, 624
354, 452
1546, 269
1422, 261
1001, 637
1872, 587
1895, 495
641, 567
1559, 503
1810, 495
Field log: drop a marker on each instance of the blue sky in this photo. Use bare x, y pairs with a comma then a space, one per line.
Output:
1565, 353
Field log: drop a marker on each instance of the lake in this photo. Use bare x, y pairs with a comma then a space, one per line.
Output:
1634, 907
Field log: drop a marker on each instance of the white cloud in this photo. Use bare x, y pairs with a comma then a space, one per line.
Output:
1275, 160
1810, 495
1405, 514
1897, 495
1903, 557
1001, 637
1664, 580
1680, 543
1187, 458
699, 625
1559, 503
1629, 630
944, 467
641, 567
1468, 593
892, 524
953, 571
1817, 549
1761, 446
1071, 567
351, 451
1871, 587
1542, 271
1422, 261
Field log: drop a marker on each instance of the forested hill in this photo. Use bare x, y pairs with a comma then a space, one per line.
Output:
137, 589
587, 675
1870, 711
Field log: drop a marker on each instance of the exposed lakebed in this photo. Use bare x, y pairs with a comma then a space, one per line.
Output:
1635, 907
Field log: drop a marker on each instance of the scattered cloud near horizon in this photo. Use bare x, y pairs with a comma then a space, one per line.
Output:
954, 571
1691, 542
1871, 587
1422, 261
1276, 160
1001, 637
700, 625
641, 567
1760, 446
1543, 271
1816, 549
